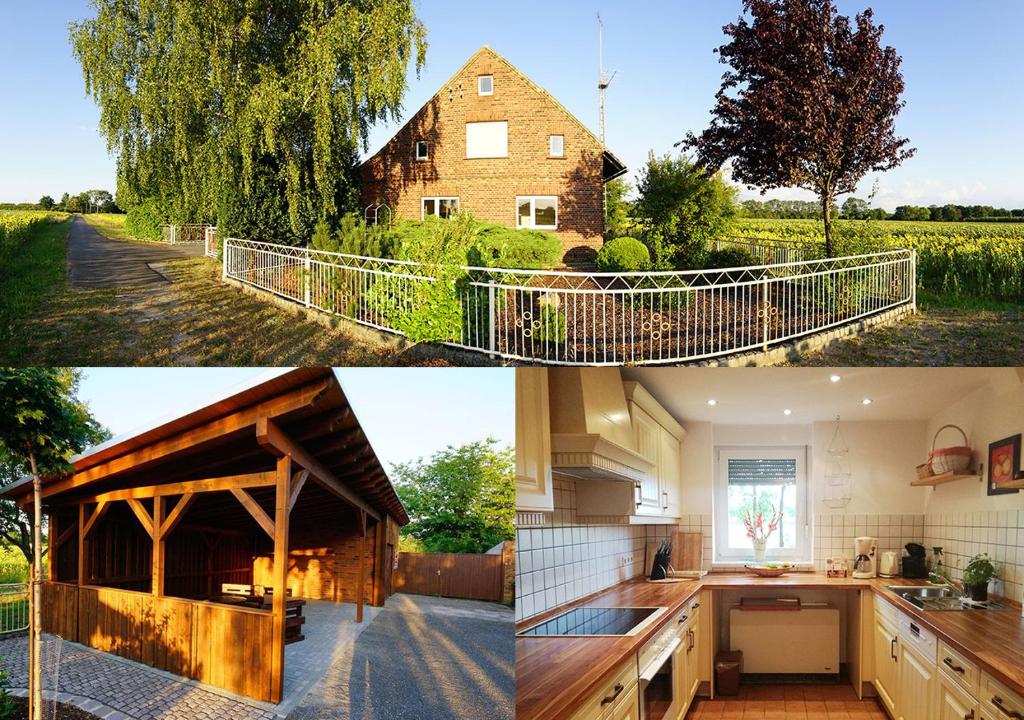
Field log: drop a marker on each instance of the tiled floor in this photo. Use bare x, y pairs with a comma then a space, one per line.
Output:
799, 702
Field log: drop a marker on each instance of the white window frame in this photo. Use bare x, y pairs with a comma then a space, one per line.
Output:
416, 150
551, 146
437, 204
479, 85
725, 554
533, 211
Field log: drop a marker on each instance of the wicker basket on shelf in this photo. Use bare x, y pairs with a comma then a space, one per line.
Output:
953, 459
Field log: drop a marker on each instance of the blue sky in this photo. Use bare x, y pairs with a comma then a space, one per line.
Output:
407, 413
965, 108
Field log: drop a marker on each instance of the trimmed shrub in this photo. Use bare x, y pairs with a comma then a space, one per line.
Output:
728, 258
354, 237
144, 221
624, 254
515, 249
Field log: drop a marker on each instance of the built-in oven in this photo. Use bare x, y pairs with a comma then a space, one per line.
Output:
660, 675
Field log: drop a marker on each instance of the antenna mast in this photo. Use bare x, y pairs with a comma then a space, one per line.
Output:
603, 81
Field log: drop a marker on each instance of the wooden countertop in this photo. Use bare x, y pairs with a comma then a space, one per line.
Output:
554, 674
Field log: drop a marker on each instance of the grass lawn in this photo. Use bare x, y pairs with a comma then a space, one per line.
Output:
193, 320
109, 224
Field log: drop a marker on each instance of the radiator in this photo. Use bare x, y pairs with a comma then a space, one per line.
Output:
804, 641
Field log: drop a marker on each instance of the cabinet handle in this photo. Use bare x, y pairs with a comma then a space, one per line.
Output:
682, 619
664, 501
892, 650
696, 605
693, 640
611, 698
998, 702
954, 668
969, 716
639, 494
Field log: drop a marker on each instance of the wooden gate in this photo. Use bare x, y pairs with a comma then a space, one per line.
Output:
474, 577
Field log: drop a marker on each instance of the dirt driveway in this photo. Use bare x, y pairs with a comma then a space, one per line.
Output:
422, 658
96, 262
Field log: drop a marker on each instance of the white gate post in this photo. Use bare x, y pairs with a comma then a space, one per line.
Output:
307, 278
491, 312
224, 260
764, 309
913, 280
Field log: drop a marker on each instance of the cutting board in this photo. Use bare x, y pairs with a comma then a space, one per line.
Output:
687, 550
652, 549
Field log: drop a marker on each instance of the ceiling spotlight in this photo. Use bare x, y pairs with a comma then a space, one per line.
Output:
866, 401
835, 378
787, 411
712, 402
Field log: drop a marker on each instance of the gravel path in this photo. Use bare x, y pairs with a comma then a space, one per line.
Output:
96, 262
422, 658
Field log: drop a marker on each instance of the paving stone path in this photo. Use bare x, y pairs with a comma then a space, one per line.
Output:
117, 689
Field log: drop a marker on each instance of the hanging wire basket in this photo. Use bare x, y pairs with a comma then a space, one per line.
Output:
838, 473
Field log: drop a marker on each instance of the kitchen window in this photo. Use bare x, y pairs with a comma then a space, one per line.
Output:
539, 212
485, 85
443, 207
765, 480
557, 146
422, 150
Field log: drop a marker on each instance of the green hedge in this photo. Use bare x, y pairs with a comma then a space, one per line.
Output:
516, 249
624, 254
144, 221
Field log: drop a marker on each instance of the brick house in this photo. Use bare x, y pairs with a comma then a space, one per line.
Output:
494, 144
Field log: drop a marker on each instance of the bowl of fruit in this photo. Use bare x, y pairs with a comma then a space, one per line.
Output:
771, 569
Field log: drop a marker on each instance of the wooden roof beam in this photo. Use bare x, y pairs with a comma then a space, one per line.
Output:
282, 404
221, 484
143, 515
257, 512
270, 436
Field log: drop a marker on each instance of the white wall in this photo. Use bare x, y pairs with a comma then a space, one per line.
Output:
882, 457
991, 413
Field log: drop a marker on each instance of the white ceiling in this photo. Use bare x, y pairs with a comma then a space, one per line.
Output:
758, 396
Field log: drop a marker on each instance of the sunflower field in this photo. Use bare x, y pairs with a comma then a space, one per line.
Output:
958, 261
15, 227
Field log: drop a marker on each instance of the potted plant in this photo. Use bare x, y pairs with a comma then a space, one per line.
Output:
759, 529
977, 574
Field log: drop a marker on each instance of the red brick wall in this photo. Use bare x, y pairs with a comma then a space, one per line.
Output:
487, 188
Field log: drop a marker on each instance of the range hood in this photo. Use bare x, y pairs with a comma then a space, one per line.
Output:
591, 431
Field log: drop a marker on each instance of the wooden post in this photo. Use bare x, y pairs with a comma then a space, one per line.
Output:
280, 578
81, 543
54, 534
158, 546
362, 568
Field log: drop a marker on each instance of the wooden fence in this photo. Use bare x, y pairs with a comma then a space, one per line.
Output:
224, 646
474, 577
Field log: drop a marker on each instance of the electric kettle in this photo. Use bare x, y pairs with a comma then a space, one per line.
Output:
889, 565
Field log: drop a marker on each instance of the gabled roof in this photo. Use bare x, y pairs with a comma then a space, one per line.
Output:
612, 166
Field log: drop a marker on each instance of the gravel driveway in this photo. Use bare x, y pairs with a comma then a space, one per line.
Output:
95, 262
423, 658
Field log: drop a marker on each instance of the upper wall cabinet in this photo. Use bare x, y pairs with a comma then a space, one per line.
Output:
533, 442
659, 438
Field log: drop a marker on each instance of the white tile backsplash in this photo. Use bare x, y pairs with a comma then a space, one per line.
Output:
966, 534
564, 561
834, 534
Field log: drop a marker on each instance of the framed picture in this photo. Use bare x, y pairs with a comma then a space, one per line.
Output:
1003, 463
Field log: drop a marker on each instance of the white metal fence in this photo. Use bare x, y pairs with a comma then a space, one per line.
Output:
573, 318
210, 246
184, 234
13, 607
771, 252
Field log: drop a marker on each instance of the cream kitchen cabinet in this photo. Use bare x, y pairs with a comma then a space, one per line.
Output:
659, 438
627, 707
886, 662
915, 699
534, 492
617, 699
954, 703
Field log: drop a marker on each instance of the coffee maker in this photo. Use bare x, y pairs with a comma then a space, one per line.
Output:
865, 560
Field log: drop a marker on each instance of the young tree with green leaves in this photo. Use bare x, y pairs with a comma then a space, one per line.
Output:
253, 113
680, 208
42, 425
462, 499
617, 209
810, 101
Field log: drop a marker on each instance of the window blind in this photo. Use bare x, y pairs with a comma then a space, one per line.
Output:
762, 471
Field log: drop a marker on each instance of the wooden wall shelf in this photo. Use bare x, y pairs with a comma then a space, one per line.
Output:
943, 479
1017, 484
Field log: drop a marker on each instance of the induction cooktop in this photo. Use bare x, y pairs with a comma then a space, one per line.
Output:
593, 621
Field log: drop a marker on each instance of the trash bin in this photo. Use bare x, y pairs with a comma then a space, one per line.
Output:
728, 666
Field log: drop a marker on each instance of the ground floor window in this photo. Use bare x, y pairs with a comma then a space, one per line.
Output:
761, 483
537, 211
443, 207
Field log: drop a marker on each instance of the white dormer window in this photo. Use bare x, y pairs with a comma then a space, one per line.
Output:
485, 85
422, 150
557, 146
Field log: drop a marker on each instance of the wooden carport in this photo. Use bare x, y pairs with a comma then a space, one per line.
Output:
274, 487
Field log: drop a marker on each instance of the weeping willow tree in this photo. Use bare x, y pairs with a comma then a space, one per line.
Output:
251, 112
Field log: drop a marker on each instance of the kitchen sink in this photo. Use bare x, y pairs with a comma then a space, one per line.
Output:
940, 597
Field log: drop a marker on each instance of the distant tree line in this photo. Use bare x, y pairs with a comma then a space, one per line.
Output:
858, 209
88, 201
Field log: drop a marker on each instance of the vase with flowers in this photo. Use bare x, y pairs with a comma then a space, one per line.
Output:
759, 526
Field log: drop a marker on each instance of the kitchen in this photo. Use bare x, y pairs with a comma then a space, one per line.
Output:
638, 491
